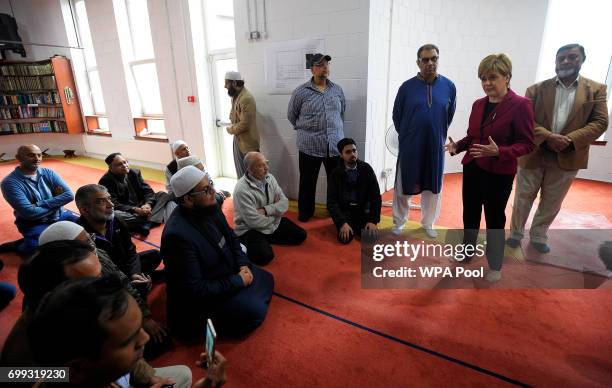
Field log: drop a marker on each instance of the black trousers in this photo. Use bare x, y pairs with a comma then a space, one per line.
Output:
149, 260
491, 191
356, 220
259, 248
309, 172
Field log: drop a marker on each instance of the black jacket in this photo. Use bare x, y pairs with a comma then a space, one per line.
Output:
118, 244
368, 194
120, 193
202, 261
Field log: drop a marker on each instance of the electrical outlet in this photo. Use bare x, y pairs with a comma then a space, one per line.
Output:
255, 35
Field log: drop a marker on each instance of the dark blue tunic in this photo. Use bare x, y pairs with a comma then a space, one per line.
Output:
422, 114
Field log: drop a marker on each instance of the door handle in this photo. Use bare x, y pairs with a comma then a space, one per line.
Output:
219, 123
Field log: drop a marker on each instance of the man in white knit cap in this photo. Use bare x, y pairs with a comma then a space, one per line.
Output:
66, 230
80, 260
180, 149
243, 119
208, 274
193, 160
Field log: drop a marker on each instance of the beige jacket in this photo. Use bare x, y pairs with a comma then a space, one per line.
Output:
244, 125
586, 122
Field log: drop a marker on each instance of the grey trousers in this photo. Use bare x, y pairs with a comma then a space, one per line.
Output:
238, 160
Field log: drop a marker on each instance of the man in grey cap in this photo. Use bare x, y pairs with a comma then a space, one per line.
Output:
243, 119
316, 110
207, 273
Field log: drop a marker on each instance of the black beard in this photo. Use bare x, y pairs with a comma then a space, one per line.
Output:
207, 211
232, 92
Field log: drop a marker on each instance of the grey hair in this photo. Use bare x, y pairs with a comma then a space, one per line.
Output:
84, 193
249, 158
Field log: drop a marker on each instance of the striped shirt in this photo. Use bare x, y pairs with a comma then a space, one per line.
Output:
318, 118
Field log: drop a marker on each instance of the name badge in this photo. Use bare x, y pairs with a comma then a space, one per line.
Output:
222, 242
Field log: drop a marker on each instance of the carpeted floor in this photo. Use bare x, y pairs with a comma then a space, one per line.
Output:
323, 329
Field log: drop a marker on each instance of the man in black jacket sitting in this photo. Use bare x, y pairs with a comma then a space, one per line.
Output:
207, 273
135, 201
353, 195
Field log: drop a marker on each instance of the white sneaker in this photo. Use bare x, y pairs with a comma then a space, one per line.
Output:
430, 231
397, 229
493, 276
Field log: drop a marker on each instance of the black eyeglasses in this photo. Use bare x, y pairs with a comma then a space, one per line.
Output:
207, 190
430, 59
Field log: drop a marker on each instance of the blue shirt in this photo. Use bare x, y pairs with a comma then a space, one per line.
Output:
422, 113
34, 200
318, 118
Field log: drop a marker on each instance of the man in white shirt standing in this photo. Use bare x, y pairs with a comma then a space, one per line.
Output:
570, 113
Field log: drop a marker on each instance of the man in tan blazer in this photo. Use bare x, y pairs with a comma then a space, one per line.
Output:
243, 118
570, 113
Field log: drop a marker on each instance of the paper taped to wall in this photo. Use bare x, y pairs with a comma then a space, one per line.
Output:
285, 64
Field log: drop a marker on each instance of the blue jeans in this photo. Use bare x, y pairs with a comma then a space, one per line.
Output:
31, 233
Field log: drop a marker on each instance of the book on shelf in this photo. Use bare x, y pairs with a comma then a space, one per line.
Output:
27, 112
49, 98
27, 69
39, 97
40, 127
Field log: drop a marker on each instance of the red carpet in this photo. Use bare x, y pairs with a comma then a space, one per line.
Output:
330, 332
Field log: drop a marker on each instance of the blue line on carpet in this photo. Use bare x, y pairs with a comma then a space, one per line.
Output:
403, 342
387, 336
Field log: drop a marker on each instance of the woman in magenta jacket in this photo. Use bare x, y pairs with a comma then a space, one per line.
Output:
500, 131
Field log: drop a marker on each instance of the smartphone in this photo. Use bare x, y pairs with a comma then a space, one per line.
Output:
211, 338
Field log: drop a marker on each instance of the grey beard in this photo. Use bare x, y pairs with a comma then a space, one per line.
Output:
566, 73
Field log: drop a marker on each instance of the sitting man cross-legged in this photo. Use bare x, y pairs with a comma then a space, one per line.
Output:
353, 195
135, 201
207, 273
56, 262
259, 205
37, 196
111, 235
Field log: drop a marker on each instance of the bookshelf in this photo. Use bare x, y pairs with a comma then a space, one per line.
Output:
39, 97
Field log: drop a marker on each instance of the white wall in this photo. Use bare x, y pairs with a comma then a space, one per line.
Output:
465, 32
40, 22
175, 66
344, 26
381, 12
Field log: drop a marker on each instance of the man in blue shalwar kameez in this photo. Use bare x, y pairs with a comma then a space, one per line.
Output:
423, 110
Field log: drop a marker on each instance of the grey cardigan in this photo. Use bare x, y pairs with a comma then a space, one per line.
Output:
248, 198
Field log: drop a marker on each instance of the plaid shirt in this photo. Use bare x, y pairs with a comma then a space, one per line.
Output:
318, 118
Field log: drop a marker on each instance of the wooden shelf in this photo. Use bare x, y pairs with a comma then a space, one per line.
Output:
33, 105
17, 91
31, 120
28, 133
60, 68
40, 75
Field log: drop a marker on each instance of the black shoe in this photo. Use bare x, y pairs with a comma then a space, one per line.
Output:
540, 247
513, 242
10, 246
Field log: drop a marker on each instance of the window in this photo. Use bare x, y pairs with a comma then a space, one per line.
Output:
139, 58
92, 78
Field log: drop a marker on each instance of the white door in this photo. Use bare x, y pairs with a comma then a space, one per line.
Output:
220, 64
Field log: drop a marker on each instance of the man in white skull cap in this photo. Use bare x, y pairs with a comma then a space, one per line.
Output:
208, 274
243, 119
180, 150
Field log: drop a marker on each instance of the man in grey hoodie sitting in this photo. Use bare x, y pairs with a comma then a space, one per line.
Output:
259, 205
